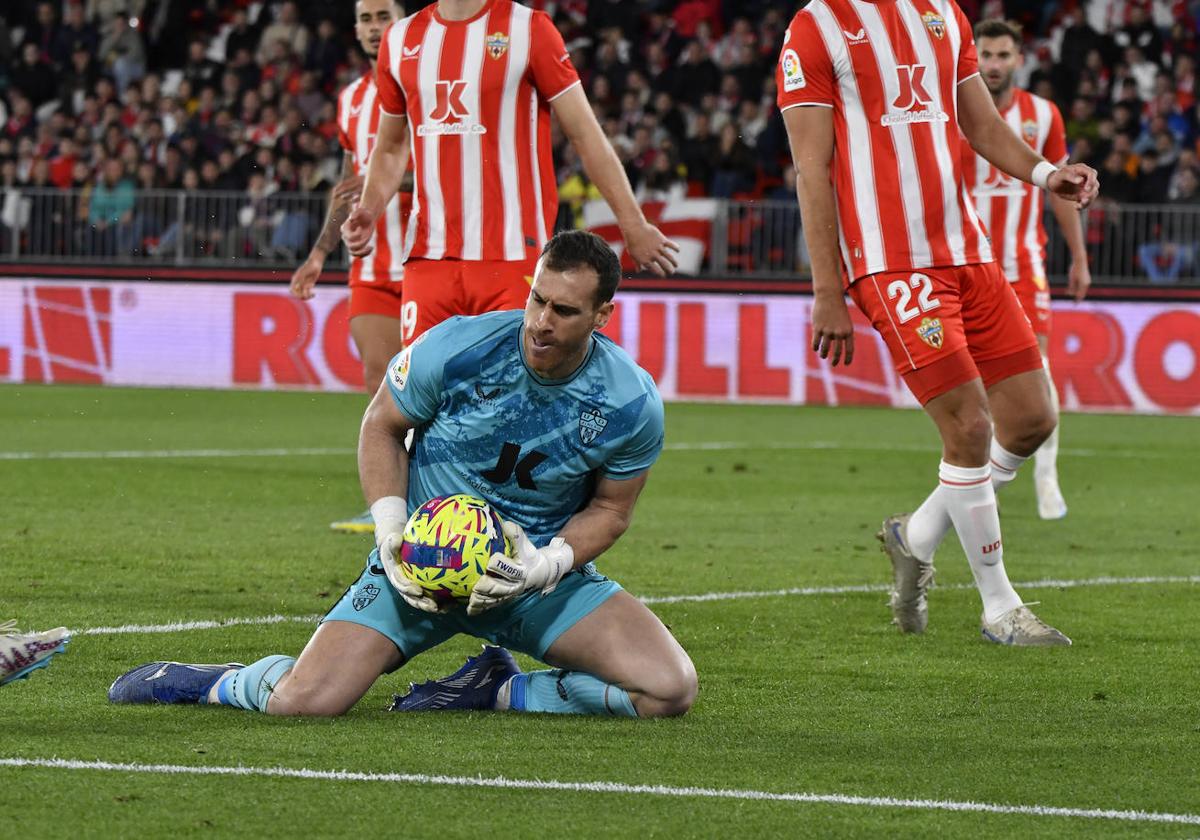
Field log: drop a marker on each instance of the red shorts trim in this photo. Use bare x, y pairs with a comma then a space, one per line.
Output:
375, 299
435, 290
1034, 295
944, 323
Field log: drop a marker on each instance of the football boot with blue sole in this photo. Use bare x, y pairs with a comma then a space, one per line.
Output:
167, 682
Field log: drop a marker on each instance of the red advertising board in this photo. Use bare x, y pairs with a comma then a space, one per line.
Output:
1106, 356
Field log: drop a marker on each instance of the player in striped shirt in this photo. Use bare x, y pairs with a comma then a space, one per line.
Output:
472, 83
887, 86
375, 280
1012, 211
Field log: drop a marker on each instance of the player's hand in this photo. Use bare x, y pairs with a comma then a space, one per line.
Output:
650, 249
413, 594
306, 277
531, 569
1076, 182
357, 230
1079, 279
833, 332
348, 189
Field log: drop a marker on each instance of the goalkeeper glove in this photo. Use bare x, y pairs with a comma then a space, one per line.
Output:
531, 569
390, 514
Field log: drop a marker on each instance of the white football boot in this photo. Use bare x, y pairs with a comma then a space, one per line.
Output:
911, 577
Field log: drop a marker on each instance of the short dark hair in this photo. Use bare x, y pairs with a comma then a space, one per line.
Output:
997, 28
574, 248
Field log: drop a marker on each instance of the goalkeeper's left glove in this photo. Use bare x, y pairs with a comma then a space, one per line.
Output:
531, 569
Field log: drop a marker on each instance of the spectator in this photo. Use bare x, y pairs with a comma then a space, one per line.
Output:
696, 75
34, 77
286, 28
326, 54
110, 211
700, 150
199, 69
123, 52
735, 166
240, 36
43, 31
75, 33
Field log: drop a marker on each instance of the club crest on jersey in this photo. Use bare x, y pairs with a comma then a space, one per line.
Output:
793, 74
930, 331
364, 596
497, 44
399, 371
935, 24
591, 424
1029, 129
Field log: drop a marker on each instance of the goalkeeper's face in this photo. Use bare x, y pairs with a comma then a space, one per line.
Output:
560, 316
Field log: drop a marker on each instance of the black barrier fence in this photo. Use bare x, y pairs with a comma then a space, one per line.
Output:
1130, 244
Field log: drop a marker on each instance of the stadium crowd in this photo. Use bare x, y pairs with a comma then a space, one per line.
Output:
119, 97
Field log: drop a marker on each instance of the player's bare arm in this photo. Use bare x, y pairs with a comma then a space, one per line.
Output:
341, 198
586, 536
810, 134
383, 473
647, 245
607, 516
382, 458
1079, 276
384, 174
992, 138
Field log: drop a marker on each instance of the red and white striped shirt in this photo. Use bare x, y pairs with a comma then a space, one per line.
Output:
358, 120
477, 96
1011, 209
890, 72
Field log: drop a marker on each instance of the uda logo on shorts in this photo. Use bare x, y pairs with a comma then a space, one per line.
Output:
364, 596
930, 331
591, 424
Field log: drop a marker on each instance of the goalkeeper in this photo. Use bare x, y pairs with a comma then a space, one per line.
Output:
557, 428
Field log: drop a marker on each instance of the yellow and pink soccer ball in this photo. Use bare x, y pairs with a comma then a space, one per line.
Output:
448, 542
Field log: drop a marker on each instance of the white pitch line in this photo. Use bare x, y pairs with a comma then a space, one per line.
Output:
503, 783
84, 455
213, 624
885, 587
181, 626
705, 446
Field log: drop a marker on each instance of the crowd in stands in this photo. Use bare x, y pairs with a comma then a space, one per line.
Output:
120, 97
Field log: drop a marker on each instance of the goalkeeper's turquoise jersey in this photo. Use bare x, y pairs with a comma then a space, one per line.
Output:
489, 426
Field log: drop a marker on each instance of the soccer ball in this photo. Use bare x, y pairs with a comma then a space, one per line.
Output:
447, 544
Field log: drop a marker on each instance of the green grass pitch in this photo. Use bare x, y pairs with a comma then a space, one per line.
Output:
800, 693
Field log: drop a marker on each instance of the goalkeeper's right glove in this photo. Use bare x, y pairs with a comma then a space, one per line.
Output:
390, 514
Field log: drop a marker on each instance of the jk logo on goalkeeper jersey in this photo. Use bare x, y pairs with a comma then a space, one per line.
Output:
591, 424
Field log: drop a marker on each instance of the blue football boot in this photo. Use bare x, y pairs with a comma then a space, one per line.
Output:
473, 686
167, 682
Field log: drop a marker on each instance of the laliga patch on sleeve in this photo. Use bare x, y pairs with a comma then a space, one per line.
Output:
399, 372
793, 75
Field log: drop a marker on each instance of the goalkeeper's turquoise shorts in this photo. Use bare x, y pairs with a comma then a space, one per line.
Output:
530, 624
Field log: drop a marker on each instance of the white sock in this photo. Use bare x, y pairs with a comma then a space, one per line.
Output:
928, 525
1045, 460
1004, 464
970, 500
